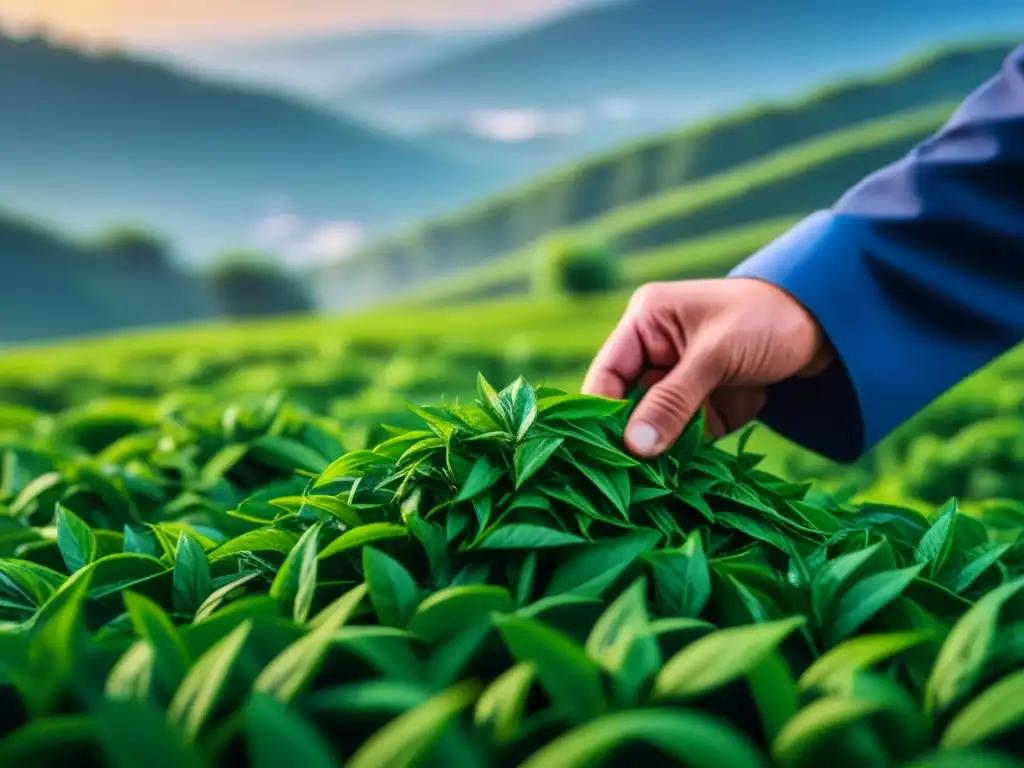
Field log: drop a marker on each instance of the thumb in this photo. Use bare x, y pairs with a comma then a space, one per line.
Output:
667, 407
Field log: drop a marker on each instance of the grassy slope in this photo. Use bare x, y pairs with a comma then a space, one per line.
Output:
645, 170
703, 229
53, 286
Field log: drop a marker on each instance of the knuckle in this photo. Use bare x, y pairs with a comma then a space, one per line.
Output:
645, 294
669, 406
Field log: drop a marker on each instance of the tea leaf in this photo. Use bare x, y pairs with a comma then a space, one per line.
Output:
571, 679
192, 582
393, 591
999, 708
859, 653
716, 659
289, 671
532, 454
592, 569
937, 543
693, 739
200, 691
527, 536
866, 598
75, 539
962, 657
682, 582
501, 705
482, 476
278, 735
295, 581
406, 740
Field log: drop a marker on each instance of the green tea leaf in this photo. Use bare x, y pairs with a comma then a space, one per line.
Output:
866, 598
75, 539
406, 740
527, 536
482, 477
295, 582
979, 560
136, 733
962, 657
578, 407
393, 591
532, 454
200, 691
682, 581
622, 642
802, 736
278, 735
288, 672
192, 582
937, 543
501, 706
859, 653
170, 657
593, 568
353, 464
519, 401
998, 709
449, 610
364, 534
571, 680
721, 657
693, 739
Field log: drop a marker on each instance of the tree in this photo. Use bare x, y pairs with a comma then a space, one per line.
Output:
575, 267
250, 284
135, 249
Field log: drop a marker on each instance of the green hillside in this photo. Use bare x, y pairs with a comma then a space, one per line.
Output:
840, 133
53, 286
198, 159
666, 236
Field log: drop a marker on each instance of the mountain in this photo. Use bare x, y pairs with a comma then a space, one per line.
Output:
683, 57
321, 66
92, 139
54, 287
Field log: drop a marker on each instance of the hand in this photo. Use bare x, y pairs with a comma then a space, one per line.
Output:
704, 342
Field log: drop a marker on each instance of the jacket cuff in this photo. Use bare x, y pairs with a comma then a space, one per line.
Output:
846, 409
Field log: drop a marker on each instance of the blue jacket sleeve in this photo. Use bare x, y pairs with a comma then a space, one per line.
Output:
916, 276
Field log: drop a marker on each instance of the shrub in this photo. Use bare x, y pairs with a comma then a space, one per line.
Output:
134, 249
496, 584
575, 267
254, 285
982, 461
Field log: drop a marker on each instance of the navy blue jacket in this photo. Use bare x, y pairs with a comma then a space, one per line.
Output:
916, 275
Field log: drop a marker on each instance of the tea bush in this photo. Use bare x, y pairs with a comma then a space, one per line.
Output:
495, 584
575, 267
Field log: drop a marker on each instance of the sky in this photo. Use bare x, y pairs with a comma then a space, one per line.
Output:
172, 20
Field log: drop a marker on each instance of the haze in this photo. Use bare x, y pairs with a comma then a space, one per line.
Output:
168, 20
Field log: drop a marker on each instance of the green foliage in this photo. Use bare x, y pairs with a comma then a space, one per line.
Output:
253, 284
575, 268
498, 583
134, 249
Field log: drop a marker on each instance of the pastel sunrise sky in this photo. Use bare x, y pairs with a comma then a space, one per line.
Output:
164, 20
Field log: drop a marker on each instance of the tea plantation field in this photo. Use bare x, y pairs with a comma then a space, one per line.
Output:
222, 580
331, 541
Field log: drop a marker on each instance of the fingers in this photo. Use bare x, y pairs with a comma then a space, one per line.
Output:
618, 364
668, 406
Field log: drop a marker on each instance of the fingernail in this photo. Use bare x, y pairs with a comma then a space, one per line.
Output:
643, 437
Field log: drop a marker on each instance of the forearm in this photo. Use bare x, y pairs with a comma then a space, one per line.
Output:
916, 276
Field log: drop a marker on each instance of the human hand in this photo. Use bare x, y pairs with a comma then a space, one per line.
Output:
717, 343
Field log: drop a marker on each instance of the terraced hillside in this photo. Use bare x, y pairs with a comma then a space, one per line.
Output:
765, 163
